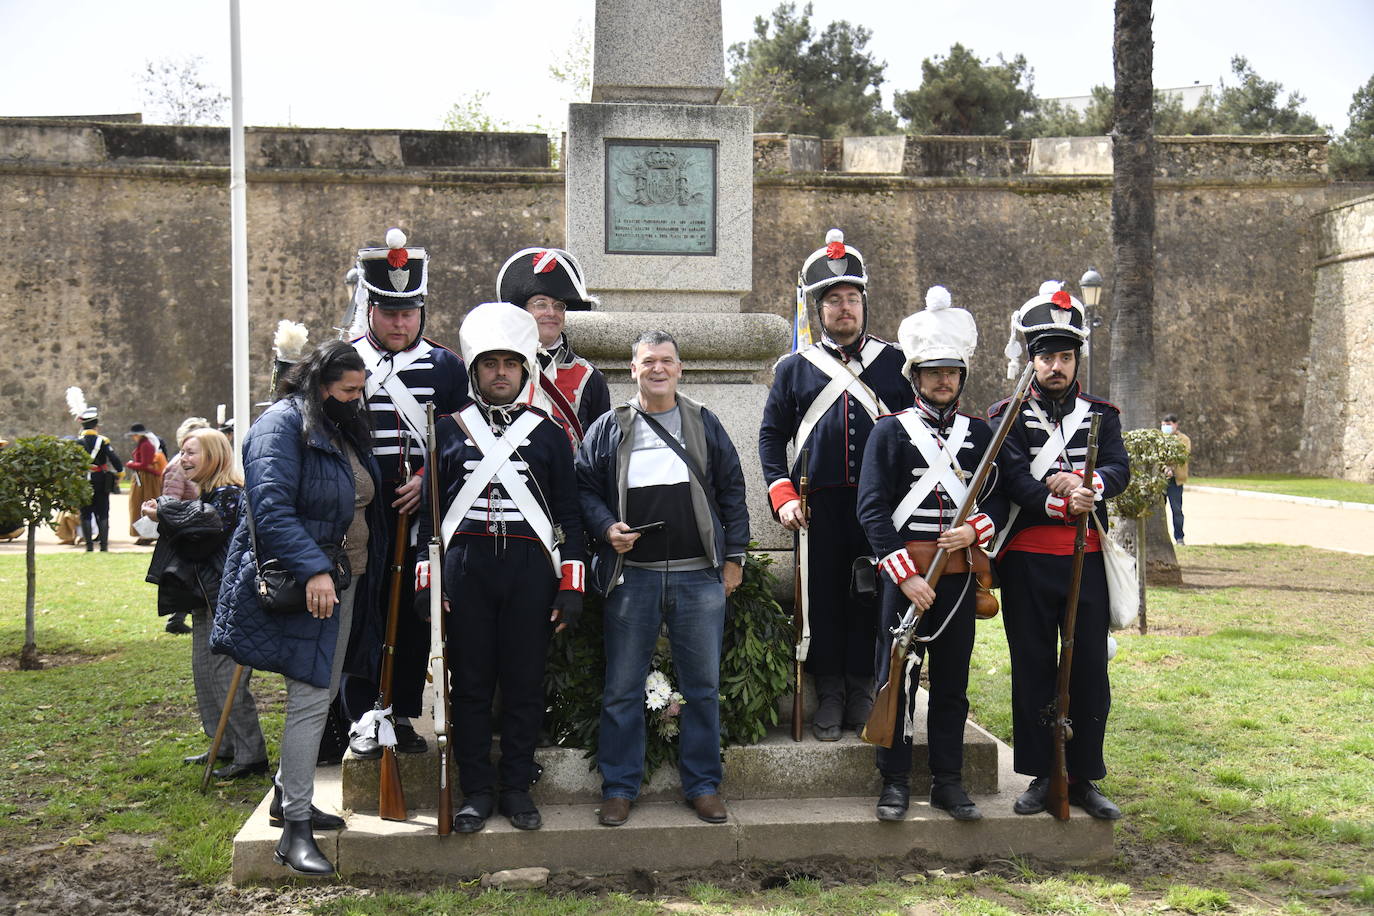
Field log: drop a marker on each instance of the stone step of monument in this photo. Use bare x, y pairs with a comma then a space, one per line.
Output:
776, 767
666, 834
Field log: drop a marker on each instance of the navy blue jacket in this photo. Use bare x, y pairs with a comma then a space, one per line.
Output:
837, 441
300, 491
603, 465
1024, 441
544, 462
889, 469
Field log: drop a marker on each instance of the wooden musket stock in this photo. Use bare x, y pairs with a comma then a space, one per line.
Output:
1057, 800
882, 722
391, 799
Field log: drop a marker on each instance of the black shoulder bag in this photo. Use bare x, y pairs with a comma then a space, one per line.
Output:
278, 591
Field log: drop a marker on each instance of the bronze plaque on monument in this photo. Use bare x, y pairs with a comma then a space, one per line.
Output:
660, 197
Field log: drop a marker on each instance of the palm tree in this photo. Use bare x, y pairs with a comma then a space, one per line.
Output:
1133, 234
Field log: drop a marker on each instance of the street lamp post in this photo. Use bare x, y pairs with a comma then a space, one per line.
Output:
1090, 284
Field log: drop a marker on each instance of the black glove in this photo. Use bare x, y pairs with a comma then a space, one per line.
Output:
422, 604
569, 606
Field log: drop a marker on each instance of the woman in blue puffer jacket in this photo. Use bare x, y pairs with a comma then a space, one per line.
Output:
310, 480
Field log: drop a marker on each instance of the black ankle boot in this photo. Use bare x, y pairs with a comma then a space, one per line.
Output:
297, 851
319, 820
894, 799
858, 700
829, 719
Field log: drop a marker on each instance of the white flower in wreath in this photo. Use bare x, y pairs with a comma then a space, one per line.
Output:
658, 691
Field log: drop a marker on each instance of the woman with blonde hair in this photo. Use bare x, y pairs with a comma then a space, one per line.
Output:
177, 484
187, 565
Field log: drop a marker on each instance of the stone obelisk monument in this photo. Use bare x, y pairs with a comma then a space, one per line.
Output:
660, 213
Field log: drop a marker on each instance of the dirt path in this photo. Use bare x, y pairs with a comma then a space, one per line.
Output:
1212, 517
120, 541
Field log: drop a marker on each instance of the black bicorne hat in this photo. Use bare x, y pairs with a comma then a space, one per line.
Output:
550, 272
394, 277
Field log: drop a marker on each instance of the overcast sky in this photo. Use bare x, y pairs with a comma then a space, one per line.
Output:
342, 63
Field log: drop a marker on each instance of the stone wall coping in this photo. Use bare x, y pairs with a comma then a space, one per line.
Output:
1346, 204
220, 173
848, 182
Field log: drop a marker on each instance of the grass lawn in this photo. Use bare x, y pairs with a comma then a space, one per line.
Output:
1241, 747
1292, 485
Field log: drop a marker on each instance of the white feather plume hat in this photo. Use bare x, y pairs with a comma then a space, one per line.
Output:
938, 335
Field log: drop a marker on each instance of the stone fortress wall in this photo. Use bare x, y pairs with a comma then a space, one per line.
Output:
118, 238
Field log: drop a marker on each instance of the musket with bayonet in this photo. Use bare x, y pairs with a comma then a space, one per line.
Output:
438, 633
882, 722
801, 629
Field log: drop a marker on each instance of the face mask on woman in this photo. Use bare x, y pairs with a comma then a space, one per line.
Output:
341, 412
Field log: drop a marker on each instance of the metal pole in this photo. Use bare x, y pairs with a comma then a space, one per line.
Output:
238, 232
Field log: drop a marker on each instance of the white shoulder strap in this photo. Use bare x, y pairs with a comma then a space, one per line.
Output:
842, 378
1055, 447
941, 461
495, 465
406, 405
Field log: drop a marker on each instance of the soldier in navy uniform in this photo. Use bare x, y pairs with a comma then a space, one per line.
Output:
825, 398
405, 371
548, 283
1042, 476
915, 475
513, 562
105, 464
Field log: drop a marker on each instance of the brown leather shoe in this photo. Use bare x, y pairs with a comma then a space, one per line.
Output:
710, 808
614, 812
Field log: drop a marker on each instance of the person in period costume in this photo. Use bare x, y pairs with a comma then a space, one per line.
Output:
145, 466
1042, 477
548, 283
311, 480
663, 463
513, 560
405, 371
914, 479
105, 464
825, 399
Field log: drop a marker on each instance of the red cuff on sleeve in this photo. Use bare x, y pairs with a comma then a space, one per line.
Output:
982, 527
574, 576
422, 575
1098, 486
780, 493
1056, 507
899, 566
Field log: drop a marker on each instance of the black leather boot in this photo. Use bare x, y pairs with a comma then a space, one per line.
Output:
894, 799
319, 820
829, 720
948, 795
858, 700
297, 851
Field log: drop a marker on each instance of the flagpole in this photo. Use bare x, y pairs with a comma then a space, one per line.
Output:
238, 232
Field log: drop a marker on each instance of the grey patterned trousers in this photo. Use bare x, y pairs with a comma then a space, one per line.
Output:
211, 675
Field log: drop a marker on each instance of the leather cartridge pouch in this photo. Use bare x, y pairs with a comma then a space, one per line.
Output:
865, 577
922, 553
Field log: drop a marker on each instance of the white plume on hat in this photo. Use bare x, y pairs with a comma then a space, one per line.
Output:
290, 340
76, 401
937, 332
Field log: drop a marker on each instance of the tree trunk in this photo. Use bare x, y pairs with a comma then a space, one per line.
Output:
1133, 231
1164, 569
28, 656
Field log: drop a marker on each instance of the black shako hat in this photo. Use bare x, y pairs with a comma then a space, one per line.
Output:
394, 277
1051, 321
550, 272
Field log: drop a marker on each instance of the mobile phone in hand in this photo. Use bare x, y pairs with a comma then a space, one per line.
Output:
651, 526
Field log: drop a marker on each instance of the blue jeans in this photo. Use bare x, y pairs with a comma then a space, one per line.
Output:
695, 612
1174, 492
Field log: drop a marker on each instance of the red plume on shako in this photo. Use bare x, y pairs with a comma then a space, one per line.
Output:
396, 276
1052, 321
